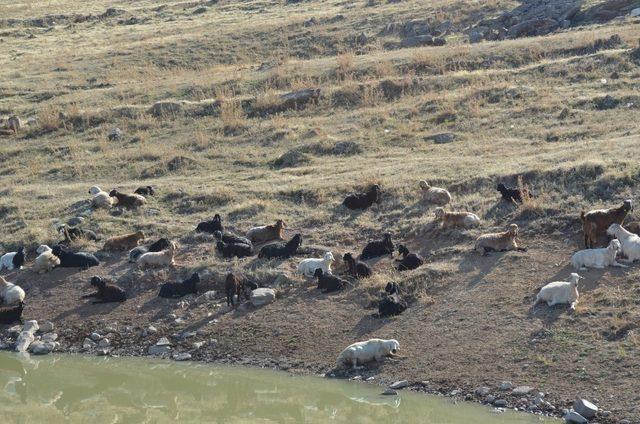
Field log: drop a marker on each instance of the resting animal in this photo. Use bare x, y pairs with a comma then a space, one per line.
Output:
456, 219
188, 286
499, 242
267, 233
371, 350
228, 237
630, 242
378, 248
235, 285
210, 226
46, 260
101, 199
560, 292
12, 260
358, 269
162, 258
363, 200
329, 283
11, 314
10, 294
597, 258
281, 250
633, 227
230, 250
106, 292
598, 221
391, 305
514, 194
74, 260
158, 246
307, 267
409, 260
437, 196
129, 201
73, 233
145, 191
125, 242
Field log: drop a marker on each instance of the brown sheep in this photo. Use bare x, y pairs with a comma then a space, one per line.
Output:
266, 233
499, 242
126, 242
456, 219
596, 222
235, 285
129, 201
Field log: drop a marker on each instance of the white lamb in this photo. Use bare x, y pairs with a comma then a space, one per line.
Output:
307, 267
560, 292
371, 350
597, 258
10, 294
630, 242
46, 260
101, 199
158, 259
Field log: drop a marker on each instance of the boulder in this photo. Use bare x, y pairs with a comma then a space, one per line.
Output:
49, 337
24, 341
262, 296
522, 390
30, 326
585, 408
574, 418
46, 327
88, 343
482, 391
506, 385
184, 356
442, 138
399, 385
42, 348
104, 343
156, 350
635, 12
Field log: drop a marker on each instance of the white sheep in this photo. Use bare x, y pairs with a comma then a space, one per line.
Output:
158, 259
46, 260
10, 294
630, 242
456, 219
371, 350
597, 258
560, 292
101, 199
307, 267
437, 196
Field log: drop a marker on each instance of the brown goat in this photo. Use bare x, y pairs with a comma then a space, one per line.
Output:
233, 285
126, 242
266, 233
129, 201
596, 222
633, 227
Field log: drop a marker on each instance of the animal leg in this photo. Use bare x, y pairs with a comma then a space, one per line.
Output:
619, 265
89, 295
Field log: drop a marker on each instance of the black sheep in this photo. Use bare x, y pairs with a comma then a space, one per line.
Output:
409, 260
378, 248
358, 269
281, 250
391, 305
513, 194
18, 259
329, 283
74, 260
11, 314
229, 250
228, 237
188, 286
106, 292
210, 226
145, 191
363, 200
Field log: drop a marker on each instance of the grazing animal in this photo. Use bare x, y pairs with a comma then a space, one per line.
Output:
456, 219
368, 351
74, 259
210, 226
437, 196
129, 201
409, 260
228, 237
597, 258
157, 246
74, 233
230, 250
329, 283
630, 242
106, 292
11, 314
357, 269
596, 222
126, 242
188, 286
378, 248
267, 233
101, 198
12, 260
10, 294
513, 194
46, 260
355, 201
307, 267
281, 250
159, 259
560, 292
234, 285
145, 191
499, 242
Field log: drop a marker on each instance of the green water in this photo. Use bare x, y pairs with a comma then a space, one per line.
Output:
76, 389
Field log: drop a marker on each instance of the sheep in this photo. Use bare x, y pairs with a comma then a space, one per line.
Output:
145, 191
370, 350
73, 233
267, 233
456, 219
363, 200
159, 259
281, 250
157, 246
230, 250
129, 201
329, 283
630, 242
560, 292
307, 267
499, 242
10, 294
106, 293
598, 221
357, 269
409, 260
188, 286
74, 260
101, 199
11, 314
514, 194
210, 226
46, 260
234, 285
125, 242
378, 248
391, 305
437, 196
228, 237
633, 227
12, 260
597, 258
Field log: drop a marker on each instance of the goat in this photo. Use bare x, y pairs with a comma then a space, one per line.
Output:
267, 233
235, 285
307, 267
597, 258
598, 221
437, 196
228, 237
74, 259
162, 258
106, 293
211, 225
560, 292
499, 242
355, 201
74, 233
368, 351
10, 294
125, 242
329, 283
129, 201
513, 194
174, 290
357, 269
158, 246
281, 250
12, 260
46, 260
409, 260
456, 219
101, 199
145, 191
630, 242
378, 248
230, 250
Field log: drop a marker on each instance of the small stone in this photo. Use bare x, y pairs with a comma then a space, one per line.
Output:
506, 385
159, 350
455, 392
198, 345
206, 297
163, 342
104, 343
115, 134
152, 330
24, 341
182, 356
522, 390
482, 391
389, 392
102, 352
585, 408
500, 403
152, 212
172, 316
75, 221
179, 321
30, 326
490, 399
575, 418
442, 138
605, 414
399, 385
42, 348
95, 336
50, 337
46, 327
88, 343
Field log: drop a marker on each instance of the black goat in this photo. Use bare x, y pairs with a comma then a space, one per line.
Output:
74, 233
188, 286
378, 248
409, 260
18, 259
228, 237
363, 200
356, 268
211, 226
391, 305
281, 250
74, 260
145, 191
106, 292
513, 194
11, 314
329, 283
229, 250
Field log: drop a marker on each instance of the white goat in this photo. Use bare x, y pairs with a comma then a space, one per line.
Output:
437, 196
630, 242
158, 259
101, 199
597, 258
46, 260
307, 267
371, 350
10, 294
560, 292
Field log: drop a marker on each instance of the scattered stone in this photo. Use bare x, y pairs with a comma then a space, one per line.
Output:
389, 392
482, 391
490, 399
163, 342
399, 385
442, 138
88, 343
262, 296
346, 148
115, 134
522, 390
30, 326
207, 296
50, 337
291, 159
46, 327
104, 343
24, 341
635, 12
156, 350
151, 329
102, 352
585, 408
606, 102
506, 385
455, 392
575, 418
200, 10
42, 348
185, 356
198, 345
500, 403
15, 330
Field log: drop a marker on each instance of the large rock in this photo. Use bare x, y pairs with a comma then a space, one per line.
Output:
522, 390
574, 418
42, 348
156, 350
31, 326
635, 12
262, 296
88, 343
399, 385
291, 159
46, 327
184, 356
49, 337
585, 408
24, 341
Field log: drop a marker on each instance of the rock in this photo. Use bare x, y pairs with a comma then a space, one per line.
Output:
399, 385
442, 138
165, 108
585, 408
185, 356
200, 10
102, 352
115, 134
455, 392
500, 403
42, 348
49, 337
490, 399
30, 326
291, 159
522, 390
575, 418
606, 102
151, 329
506, 385
198, 345
418, 40
46, 327
24, 341
389, 392
476, 34
346, 148
104, 343
15, 330
635, 12
88, 343
310, 22
262, 296
163, 342
95, 336
156, 350
207, 296
152, 212
482, 391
